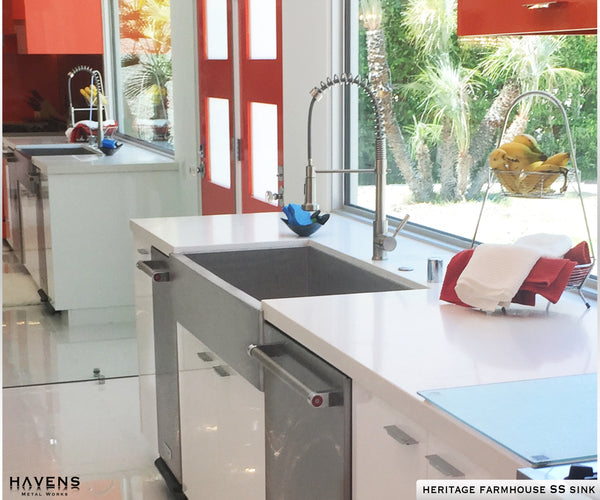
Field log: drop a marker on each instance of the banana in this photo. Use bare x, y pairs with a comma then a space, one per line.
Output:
498, 159
529, 141
500, 165
555, 162
519, 155
532, 181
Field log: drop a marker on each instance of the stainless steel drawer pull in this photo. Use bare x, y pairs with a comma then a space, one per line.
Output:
315, 398
221, 371
154, 268
399, 435
444, 467
205, 356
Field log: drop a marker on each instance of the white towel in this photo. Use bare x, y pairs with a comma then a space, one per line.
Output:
552, 246
494, 274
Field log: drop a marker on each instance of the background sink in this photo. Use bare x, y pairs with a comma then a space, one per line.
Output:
55, 150
293, 272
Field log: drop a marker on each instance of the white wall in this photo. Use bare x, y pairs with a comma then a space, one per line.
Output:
185, 100
309, 27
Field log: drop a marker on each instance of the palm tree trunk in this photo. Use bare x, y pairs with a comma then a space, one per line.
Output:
447, 161
379, 72
463, 168
425, 169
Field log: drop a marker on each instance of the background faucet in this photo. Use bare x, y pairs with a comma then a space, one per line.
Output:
382, 242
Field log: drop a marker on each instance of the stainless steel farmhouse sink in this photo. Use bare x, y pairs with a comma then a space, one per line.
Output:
216, 297
31, 150
302, 271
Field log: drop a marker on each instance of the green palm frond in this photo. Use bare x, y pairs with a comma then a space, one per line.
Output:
155, 70
447, 90
430, 24
532, 60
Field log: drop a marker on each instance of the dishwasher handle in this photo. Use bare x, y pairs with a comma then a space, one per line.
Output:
315, 398
155, 269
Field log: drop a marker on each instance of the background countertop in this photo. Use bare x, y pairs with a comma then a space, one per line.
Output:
129, 158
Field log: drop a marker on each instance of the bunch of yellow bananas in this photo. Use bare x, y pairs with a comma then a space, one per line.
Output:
522, 168
90, 92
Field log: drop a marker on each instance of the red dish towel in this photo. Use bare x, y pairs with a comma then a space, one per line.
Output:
580, 253
548, 277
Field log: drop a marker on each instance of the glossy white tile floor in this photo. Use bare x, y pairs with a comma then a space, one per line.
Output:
55, 424
40, 347
84, 429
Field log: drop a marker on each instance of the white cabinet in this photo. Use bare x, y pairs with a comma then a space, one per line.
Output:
392, 451
222, 426
389, 450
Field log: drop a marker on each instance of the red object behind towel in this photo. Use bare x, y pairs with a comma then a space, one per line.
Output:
548, 277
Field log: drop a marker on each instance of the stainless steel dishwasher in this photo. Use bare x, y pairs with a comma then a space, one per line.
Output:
307, 422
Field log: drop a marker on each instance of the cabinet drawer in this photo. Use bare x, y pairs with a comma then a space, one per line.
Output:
192, 353
446, 462
476, 17
389, 449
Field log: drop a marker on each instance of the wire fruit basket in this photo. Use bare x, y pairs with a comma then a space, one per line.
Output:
524, 183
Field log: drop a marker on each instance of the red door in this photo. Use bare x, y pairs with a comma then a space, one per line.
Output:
215, 71
240, 76
261, 106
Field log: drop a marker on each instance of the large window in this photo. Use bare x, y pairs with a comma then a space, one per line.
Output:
445, 99
143, 70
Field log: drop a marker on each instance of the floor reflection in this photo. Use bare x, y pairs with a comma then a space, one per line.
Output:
41, 347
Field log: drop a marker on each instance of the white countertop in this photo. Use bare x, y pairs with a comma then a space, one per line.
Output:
397, 343
129, 158
392, 336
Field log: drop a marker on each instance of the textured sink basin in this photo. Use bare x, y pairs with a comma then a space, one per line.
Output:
293, 272
55, 150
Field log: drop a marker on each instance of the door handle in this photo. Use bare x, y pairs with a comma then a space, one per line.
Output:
316, 398
155, 269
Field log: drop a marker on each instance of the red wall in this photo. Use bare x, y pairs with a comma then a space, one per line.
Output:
45, 73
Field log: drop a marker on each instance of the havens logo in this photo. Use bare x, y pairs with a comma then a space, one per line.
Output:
43, 486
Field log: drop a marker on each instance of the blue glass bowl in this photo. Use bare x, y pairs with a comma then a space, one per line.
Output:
306, 230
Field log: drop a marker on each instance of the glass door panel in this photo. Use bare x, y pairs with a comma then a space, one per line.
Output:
263, 148
218, 154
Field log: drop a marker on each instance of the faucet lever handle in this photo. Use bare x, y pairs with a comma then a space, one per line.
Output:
401, 225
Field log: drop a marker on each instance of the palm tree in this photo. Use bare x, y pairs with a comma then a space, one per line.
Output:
379, 76
534, 62
447, 89
145, 27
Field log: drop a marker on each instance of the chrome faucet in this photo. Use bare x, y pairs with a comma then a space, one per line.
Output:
97, 78
382, 242
96, 81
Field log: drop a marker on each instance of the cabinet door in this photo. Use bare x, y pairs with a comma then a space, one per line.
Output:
389, 450
494, 17
222, 427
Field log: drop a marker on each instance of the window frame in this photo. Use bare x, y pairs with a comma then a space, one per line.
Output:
114, 81
349, 128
